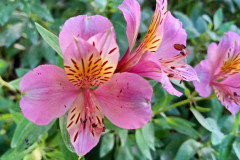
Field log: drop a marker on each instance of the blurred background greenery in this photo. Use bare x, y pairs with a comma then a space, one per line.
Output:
182, 128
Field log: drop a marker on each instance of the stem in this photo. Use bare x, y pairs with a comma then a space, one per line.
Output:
6, 84
189, 100
236, 124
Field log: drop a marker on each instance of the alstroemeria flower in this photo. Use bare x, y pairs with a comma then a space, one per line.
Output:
221, 71
90, 59
161, 53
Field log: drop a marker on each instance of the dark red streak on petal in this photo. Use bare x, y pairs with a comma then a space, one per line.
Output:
112, 50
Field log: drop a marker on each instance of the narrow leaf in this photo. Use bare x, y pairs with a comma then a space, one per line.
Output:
50, 38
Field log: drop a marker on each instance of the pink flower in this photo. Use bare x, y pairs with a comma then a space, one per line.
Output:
220, 71
90, 59
161, 53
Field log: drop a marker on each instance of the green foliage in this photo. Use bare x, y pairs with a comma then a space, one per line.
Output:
181, 128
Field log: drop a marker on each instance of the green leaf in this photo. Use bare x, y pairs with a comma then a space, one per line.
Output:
148, 132
101, 4
12, 154
124, 152
182, 126
41, 11
123, 134
13, 33
5, 13
64, 132
31, 32
15, 83
225, 27
141, 143
107, 144
188, 149
202, 120
66, 153
236, 148
226, 147
109, 125
3, 66
50, 38
201, 25
17, 116
237, 3
22, 71
172, 147
218, 18
207, 153
28, 131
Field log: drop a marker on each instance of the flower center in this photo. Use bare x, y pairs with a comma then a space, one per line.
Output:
90, 70
231, 65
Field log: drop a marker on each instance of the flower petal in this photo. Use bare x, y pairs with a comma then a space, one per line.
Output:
126, 100
217, 54
203, 86
84, 27
168, 85
152, 39
228, 97
46, 94
132, 14
107, 46
84, 123
150, 67
85, 66
173, 33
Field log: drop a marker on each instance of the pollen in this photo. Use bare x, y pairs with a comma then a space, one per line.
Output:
90, 71
231, 65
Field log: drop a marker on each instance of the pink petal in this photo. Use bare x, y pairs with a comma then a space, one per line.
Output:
173, 33
215, 61
217, 54
86, 66
150, 67
186, 73
126, 100
107, 46
227, 97
85, 123
203, 86
152, 39
132, 14
46, 94
166, 84
84, 27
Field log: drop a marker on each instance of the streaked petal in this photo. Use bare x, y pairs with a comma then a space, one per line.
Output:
107, 46
46, 94
84, 123
132, 14
203, 86
228, 46
173, 33
84, 27
228, 98
126, 100
150, 67
166, 84
85, 66
183, 72
152, 39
